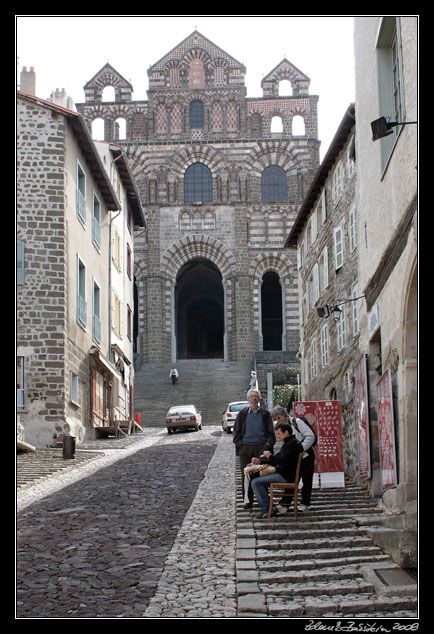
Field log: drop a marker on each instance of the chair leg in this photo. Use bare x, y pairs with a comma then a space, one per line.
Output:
270, 508
295, 502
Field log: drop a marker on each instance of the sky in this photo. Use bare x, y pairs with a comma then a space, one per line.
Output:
67, 51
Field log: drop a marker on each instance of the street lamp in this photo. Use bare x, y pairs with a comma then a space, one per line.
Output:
334, 310
383, 127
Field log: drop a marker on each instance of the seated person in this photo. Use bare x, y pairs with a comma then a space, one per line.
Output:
285, 462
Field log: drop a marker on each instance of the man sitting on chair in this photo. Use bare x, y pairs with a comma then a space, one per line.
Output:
285, 462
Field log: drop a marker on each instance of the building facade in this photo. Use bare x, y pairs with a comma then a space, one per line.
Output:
66, 372
386, 56
221, 177
325, 234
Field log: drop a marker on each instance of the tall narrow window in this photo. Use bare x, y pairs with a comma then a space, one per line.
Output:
198, 184
273, 184
96, 222
81, 294
96, 317
81, 194
339, 247
390, 87
325, 345
196, 115
20, 382
20, 262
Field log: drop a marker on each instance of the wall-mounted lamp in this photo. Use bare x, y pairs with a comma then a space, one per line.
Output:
334, 310
383, 127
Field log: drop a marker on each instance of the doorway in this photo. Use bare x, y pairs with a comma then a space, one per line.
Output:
199, 309
271, 310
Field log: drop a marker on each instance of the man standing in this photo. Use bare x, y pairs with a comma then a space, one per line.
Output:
253, 433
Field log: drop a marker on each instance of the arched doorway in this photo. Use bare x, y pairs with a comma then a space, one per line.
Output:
271, 310
199, 307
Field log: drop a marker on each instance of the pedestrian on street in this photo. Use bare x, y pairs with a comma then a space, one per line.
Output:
253, 433
306, 436
285, 462
174, 374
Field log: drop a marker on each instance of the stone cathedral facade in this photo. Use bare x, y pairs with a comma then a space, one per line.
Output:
221, 177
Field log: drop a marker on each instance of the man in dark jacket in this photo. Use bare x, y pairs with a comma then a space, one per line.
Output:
253, 433
285, 462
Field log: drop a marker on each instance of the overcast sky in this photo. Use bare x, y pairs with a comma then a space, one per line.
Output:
67, 51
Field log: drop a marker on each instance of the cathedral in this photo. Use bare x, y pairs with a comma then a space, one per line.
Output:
221, 177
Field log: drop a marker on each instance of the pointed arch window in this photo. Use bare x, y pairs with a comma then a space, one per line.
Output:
196, 115
273, 184
198, 184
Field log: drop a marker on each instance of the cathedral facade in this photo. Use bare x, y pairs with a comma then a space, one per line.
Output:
221, 177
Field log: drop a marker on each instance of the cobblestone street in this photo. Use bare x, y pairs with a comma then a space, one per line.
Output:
153, 526
97, 548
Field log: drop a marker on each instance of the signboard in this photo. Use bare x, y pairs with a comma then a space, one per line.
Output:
362, 414
325, 418
308, 410
330, 444
386, 432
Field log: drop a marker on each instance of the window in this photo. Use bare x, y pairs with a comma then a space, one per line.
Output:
323, 270
196, 115
273, 184
325, 345
313, 360
20, 382
315, 284
81, 294
73, 386
129, 260
81, 194
129, 322
352, 224
198, 184
354, 294
276, 125
390, 88
117, 321
96, 222
96, 316
342, 330
117, 249
337, 183
20, 262
339, 247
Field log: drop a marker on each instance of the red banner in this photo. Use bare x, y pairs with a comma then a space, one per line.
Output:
362, 414
325, 418
386, 432
330, 444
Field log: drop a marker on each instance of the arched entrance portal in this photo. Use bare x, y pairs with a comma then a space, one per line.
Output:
199, 306
271, 309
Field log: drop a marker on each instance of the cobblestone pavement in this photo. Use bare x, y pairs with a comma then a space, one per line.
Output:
153, 526
104, 545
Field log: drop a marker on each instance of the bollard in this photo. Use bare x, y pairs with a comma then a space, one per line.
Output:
68, 447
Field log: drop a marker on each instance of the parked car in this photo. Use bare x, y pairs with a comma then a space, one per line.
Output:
230, 414
183, 417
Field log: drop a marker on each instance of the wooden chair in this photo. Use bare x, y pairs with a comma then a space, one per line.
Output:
287, 485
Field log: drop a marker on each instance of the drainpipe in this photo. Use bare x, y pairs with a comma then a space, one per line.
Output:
110, 267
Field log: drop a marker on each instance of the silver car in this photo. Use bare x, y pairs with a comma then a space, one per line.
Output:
230, 414
183, 417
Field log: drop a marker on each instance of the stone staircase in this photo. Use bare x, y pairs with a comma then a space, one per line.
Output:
322, 564
210, 384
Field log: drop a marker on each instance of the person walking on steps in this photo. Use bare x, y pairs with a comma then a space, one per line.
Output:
174, 374
306, 436
253, 433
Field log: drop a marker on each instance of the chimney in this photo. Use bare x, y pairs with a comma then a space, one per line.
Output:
28, 81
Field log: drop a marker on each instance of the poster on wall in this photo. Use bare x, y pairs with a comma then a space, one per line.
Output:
386, 432
330, 444
325, 418
308, 410
362, 420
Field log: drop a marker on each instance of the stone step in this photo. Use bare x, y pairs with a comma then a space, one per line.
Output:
304, 533
323, 575
320, 587
265, 563
344, 606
